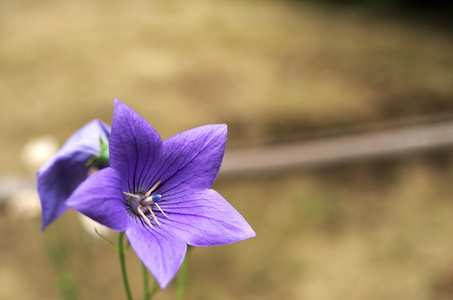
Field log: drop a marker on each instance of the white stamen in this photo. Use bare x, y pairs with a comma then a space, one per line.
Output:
160, 210
152, 213
146, 201
152, 189
133, 195
144, 217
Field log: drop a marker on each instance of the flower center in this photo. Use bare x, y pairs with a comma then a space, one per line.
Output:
141, 204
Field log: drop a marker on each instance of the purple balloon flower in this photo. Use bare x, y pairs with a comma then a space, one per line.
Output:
159, 193
59, 176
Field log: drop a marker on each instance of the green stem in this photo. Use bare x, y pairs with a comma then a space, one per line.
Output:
105, 239
181, 280
154, 289
146, 290
123, 265
149, 292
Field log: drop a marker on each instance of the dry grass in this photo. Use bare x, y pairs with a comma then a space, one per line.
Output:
371, 231
268, 69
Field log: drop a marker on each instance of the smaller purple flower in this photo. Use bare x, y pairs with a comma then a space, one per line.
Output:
158, 192
60, 176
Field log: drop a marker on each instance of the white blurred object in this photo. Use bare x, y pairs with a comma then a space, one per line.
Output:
24, 204
38, 150
10, 184
89, 226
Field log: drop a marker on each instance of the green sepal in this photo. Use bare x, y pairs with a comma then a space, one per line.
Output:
102, 159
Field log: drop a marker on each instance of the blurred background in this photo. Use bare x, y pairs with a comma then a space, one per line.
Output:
275, 72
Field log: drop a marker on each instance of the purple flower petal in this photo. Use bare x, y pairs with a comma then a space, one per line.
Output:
191, 159
67, 169
180, 172
134, 147
203, 218
161, 252
101, 199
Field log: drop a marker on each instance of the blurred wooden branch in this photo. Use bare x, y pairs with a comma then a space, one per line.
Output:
375, 142
380, 141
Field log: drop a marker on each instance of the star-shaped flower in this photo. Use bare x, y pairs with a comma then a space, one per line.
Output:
59, 176
158, 192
